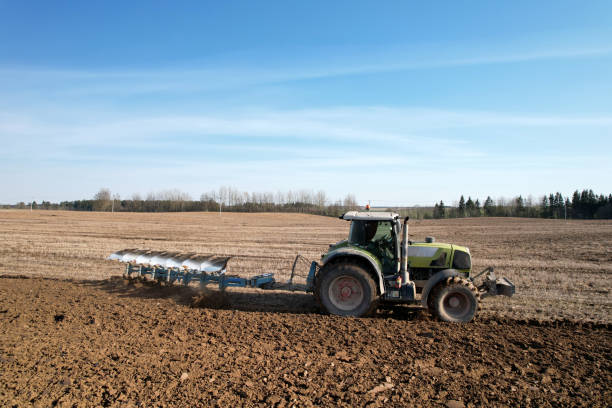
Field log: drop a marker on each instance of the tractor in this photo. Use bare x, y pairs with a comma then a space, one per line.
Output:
374, 265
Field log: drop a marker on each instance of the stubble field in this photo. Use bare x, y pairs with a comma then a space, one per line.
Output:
73, 333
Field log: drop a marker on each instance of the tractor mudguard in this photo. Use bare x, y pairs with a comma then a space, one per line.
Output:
354, 253
433, 281
312, 273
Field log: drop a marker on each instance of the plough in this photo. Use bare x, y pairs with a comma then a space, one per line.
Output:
185, 268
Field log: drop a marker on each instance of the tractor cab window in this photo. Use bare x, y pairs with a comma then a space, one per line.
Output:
378, 238
367, 232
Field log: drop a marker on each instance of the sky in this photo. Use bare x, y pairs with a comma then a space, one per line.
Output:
398, 103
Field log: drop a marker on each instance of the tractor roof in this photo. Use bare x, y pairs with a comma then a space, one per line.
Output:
369, 216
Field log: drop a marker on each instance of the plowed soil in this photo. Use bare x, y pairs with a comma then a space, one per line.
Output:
112, 343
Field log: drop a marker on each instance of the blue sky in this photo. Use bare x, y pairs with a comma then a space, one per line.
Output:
400, 103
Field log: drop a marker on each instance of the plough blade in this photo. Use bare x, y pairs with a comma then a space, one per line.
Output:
205, 263
171, 260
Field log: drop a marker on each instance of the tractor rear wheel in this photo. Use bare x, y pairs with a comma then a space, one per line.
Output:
456, 300
346, 290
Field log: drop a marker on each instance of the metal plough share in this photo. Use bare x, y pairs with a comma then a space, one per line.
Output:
165, 259
171, 267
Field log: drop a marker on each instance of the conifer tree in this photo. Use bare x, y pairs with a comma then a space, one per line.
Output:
553, 208
461, 209
576, 207
544, 207
592, 204
488, 207
469, 207
520, 206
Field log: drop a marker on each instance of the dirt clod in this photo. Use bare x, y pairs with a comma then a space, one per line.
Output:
454, 404
382, 387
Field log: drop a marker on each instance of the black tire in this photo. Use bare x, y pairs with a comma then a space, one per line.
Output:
455, 300
346, 289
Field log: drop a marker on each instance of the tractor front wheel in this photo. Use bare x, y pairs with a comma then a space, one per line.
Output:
346, 290
455, 301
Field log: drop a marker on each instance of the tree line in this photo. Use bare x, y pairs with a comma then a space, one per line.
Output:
583, 204
224, 199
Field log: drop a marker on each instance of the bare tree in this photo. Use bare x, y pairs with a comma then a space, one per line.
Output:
102, 200
116, 197
350, 202
320, 199
103, 195
223, 195
269, 198
256, 198
210, 196
280, 198
305, 197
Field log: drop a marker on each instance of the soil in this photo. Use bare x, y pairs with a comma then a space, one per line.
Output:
113, 343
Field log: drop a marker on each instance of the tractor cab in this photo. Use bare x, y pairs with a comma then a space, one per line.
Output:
379, 238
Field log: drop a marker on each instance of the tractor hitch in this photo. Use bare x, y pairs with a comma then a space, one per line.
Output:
494, 286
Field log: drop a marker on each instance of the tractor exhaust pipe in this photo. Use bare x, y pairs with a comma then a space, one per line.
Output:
404, 261
408, 288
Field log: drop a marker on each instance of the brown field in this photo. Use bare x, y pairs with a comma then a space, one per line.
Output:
562, 269
86, 338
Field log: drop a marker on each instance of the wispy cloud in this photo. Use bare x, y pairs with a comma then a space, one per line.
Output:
380, 124
300, 146
254, 70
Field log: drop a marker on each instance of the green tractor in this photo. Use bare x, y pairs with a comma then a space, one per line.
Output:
373, 265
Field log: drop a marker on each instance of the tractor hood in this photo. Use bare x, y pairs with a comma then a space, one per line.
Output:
439, 255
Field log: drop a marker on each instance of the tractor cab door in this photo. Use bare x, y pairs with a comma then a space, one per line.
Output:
378, 238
